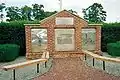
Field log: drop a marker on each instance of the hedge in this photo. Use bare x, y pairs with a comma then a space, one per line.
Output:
113, 49
110, 33
14, 33
9, 52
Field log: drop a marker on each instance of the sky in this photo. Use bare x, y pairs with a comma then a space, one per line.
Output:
110, 6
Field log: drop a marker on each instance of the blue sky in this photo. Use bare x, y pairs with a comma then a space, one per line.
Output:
110, 6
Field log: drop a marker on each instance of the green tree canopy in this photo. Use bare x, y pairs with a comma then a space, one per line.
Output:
38, 11
48, 13
26, 13
14, 13
2, 6
72, 11
95, 13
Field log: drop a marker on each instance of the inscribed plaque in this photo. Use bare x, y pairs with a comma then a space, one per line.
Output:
64, 21
64, 39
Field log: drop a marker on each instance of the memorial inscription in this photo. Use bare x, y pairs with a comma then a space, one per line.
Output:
64, 21
64, 39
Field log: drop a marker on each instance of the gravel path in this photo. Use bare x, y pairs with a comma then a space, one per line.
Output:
74, 69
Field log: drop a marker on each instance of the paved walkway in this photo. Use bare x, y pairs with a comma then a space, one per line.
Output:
74, 69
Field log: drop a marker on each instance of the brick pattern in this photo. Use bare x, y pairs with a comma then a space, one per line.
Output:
98, 40
50, 25
28, 41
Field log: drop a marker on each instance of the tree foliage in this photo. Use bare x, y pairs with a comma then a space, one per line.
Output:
26, 13
33, 13
14, 13
2, 6
36, 12
48, 13
95, 13
72, 11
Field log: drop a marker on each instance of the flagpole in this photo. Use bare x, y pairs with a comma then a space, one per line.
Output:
60, 5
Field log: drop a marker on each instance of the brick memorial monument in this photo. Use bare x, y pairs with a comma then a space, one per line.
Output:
63, 34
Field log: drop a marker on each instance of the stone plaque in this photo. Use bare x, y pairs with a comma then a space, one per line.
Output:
64, 21
64, 39
88, 31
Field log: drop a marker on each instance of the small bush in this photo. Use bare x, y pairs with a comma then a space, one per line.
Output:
118, 42
9, 52
114, 49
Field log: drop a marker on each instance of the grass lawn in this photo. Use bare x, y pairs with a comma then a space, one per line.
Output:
26, 73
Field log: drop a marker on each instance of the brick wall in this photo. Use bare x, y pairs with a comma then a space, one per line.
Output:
50, 25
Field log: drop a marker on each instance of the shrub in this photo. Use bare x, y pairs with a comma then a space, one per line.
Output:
118, 42
9, 52
14, 33
113, 49
110, 33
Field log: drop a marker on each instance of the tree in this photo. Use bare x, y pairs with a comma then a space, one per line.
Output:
26, 13
95, 13
2, 6
38, 12
72, 11
47, 13
14, 13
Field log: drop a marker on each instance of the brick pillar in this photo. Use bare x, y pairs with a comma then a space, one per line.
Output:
78, 38
28, 41
50, 34
98, 40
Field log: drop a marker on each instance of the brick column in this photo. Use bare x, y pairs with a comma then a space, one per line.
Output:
50, 35
98, 40
78, 38
28, 41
